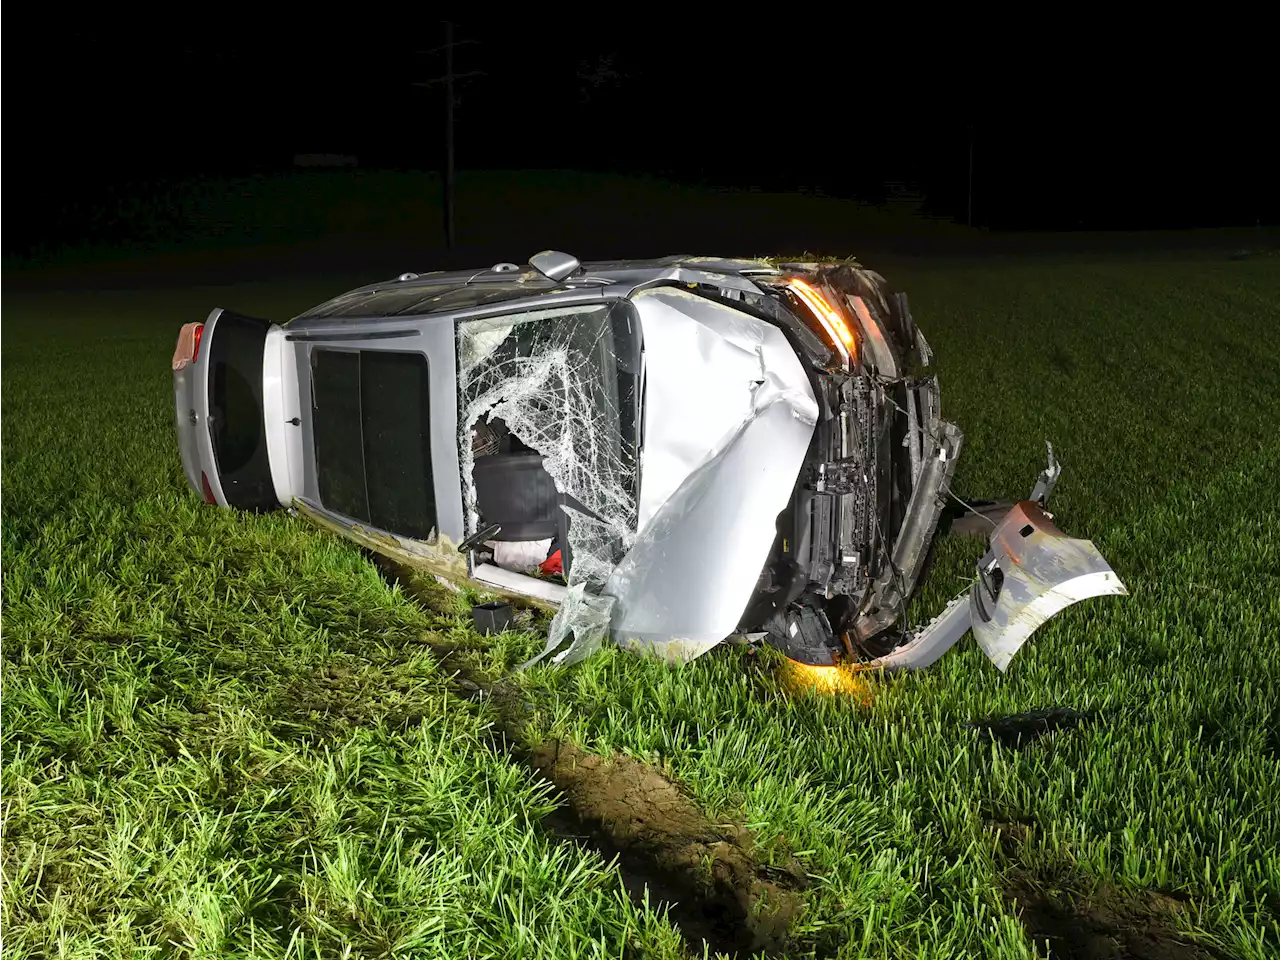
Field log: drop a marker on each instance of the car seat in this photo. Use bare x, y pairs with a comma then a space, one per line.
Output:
515, 491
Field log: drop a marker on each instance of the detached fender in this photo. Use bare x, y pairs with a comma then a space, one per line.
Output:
1031, 572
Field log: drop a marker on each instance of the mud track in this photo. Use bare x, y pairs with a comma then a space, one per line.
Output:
1107, 925
716, 890
704, 874
1103, 924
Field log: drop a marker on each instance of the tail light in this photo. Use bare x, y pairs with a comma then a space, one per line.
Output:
838, 331
188, 348
207, 490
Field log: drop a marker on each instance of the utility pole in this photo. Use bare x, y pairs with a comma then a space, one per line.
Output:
449, 80
970, 217
449, 102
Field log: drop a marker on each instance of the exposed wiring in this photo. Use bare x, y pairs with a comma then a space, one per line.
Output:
886, 382
970, 507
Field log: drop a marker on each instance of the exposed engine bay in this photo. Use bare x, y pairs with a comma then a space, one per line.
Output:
854, 540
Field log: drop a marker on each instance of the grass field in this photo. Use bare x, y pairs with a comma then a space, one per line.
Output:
227, 735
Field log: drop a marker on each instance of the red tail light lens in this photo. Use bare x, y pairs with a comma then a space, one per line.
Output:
208, 490
188, 347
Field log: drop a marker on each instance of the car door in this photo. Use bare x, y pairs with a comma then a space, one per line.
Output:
235, 388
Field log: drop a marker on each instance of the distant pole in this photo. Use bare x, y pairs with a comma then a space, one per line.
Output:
449, 80
448, 134
970, 217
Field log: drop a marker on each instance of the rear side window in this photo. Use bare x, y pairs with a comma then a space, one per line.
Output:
372, 438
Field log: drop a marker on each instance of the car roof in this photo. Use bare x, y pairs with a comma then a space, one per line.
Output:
445, 292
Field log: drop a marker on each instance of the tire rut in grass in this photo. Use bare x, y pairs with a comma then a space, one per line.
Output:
703, 873
1105, 925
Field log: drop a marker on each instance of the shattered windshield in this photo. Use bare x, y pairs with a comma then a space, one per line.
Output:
564, 381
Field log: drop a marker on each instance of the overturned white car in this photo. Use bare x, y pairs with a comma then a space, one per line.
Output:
667, 452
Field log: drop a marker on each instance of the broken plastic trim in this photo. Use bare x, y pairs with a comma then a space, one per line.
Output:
1048, 478
1042, 572
1030, 573
927, 645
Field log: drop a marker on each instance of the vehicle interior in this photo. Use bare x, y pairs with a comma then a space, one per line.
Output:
576, 375
515, 492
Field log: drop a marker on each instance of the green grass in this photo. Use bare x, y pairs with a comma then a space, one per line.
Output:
225, 735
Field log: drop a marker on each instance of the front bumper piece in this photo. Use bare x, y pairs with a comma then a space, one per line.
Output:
1031, 572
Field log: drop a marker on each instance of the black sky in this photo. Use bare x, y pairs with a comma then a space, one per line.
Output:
1060, 140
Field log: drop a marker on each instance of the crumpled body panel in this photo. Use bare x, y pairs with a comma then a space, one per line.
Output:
1031, 573
729, 417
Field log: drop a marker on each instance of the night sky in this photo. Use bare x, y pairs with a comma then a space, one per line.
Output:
1058, 142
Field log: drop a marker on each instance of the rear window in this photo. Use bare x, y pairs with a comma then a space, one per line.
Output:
235, 412
372, 438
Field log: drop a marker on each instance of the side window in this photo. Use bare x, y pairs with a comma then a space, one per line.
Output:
372, 438
337, 431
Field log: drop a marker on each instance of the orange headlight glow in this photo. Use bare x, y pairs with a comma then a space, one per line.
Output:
841, 336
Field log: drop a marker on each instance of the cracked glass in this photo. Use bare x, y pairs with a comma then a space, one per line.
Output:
564, 381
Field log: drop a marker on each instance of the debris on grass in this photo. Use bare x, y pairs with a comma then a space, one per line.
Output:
1020, 729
